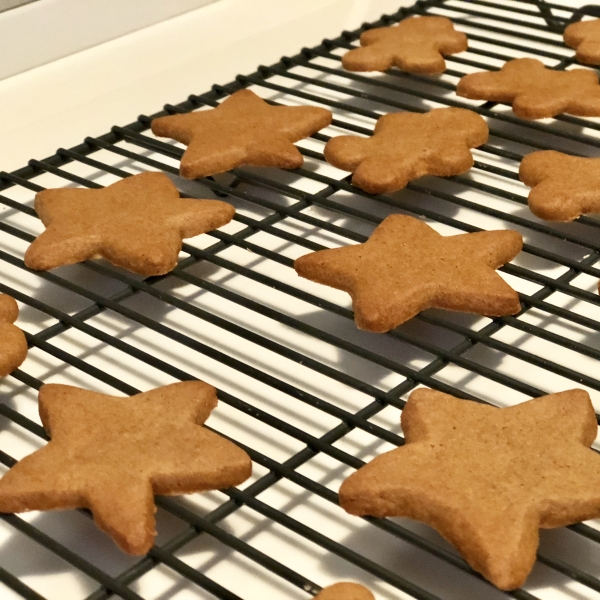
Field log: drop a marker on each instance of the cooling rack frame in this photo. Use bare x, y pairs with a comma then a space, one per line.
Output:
405, 92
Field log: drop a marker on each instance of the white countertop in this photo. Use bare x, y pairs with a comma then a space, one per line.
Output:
60, 103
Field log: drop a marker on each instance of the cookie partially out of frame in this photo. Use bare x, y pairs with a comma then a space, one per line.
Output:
487, 479
415, 45
345, 591
112, 455
534, 91
408, 145
585, 38
406, 267
13, 345
242, 130
137, 223
563, 186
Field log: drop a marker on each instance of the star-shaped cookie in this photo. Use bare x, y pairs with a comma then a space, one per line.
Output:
415, 45
564, 187
112, 454
13, 345
535, 91
585, 38
137, 223
487, 479
242, 130
406, 267
407, 145
345, 591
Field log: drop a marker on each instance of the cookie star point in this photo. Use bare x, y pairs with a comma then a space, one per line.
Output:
243, 129
406, 267
487, 479
137, 223
112, 455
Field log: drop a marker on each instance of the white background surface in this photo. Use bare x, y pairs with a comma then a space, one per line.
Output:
8, 4
49, 29
60, 103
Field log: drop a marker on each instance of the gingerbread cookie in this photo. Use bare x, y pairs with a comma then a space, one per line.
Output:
487, 479
13, 345
406, 267
415, 45
407, 145
137, 223
564, 187
585, 38
242, 130
345, 591
535, 91
112, 454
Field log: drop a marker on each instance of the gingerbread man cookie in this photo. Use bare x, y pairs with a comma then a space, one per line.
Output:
585, 38
563, 187
13, 345
415, 45
535, 91
406, 145
345, 591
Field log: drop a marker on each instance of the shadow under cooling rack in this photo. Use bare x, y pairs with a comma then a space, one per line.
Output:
310, 397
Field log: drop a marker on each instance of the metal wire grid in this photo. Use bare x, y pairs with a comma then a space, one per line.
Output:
239, 282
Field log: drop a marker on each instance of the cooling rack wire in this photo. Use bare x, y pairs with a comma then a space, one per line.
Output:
305, 393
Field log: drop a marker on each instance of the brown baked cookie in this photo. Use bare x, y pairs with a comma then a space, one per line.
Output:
137, 223
415, 45
13, 345
345, 591
407, 145
585, 38
242, 130
564, 187
112, 454
406, 267
487, 479
535, 91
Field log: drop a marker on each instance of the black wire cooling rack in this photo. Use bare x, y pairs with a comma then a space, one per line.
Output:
309, 396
